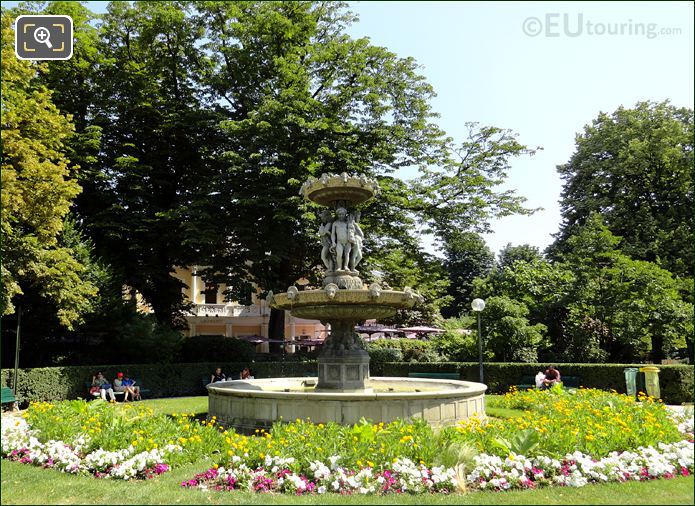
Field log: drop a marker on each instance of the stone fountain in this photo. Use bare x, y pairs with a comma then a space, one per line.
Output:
344, 391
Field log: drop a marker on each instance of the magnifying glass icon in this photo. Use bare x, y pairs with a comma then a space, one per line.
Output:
43, 36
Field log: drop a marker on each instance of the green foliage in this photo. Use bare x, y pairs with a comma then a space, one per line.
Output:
380, 355
399, 268
522, 442
635, 167
509, 255
163, 380
597, 303
466, 257
458, 342
507, 334
38, 187
412, 350
627, 307
676, 381
221, 348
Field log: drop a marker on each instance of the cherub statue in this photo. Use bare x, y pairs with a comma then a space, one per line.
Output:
340, 243
356, 238
325, 232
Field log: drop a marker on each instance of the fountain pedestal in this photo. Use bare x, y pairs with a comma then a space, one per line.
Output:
344, 372
343, 362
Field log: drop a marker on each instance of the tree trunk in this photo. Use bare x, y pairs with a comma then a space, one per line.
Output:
657, 353
276, 329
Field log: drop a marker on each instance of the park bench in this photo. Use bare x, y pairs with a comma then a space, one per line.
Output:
143, 390
529, 382
8, 397
435, 375
88, 385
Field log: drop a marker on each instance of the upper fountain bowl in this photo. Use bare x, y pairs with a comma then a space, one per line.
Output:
333, 188
344, 304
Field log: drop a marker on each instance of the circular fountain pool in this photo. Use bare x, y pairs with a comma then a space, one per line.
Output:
251, 404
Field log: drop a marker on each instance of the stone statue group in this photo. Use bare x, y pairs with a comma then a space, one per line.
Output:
342, 240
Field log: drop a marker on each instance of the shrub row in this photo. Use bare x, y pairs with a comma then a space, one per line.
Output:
163, 380
676, 381
171, 380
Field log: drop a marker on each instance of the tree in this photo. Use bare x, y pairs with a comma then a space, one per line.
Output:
522, 253
152, 203
635, 168
467, 257
633, 306
399, 268
206, 117
38, 187
300, 98
507, 334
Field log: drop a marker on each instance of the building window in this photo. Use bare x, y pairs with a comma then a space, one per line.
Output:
211, 293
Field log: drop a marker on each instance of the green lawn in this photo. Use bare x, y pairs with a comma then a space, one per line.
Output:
492, 409
23, 484
196, 405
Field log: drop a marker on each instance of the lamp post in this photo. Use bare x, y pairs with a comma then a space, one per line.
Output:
478, 305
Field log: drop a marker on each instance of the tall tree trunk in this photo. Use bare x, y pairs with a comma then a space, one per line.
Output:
657, 353
276, 329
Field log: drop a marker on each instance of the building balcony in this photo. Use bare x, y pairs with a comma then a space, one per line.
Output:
228, 310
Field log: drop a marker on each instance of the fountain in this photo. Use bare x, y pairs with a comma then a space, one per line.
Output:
343, 391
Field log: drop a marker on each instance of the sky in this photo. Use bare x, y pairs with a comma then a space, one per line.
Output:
542, 69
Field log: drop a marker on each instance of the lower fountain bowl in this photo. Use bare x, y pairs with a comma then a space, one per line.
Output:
250, 404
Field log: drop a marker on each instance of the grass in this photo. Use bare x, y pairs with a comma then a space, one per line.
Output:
22, 484
196, 405
492, 408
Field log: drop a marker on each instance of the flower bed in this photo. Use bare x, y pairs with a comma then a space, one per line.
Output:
559, 421
563, 439
19, 443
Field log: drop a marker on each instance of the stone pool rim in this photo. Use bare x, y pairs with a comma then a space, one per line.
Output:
462, 389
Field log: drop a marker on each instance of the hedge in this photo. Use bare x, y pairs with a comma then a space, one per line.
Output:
163, 380
676, 381
171, 380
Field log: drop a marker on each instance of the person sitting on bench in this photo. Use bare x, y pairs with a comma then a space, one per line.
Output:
552, 377
131, 384
104, 386
218, 375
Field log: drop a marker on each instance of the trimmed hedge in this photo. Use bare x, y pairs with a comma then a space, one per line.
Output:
163, 380
172, 380
676, 381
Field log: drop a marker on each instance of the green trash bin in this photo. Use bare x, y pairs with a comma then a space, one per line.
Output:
651, 380
631, 381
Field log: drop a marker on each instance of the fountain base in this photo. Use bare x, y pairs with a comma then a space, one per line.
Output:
346, 370
250, 404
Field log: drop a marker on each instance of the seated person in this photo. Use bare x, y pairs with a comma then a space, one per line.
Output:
552, 377
246, 374
118, 386
104, 386
218, 375
128, 382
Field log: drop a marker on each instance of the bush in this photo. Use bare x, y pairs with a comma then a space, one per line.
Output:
216, 348
411, 349
381, 355
163, 380
171, 380
676, 381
